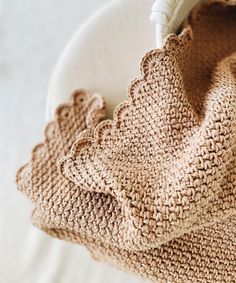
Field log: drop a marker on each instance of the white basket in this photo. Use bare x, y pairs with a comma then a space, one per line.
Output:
168, 16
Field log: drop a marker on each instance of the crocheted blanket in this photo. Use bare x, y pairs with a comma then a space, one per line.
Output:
153, 190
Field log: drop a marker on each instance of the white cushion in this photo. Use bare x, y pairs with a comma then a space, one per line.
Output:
104, 54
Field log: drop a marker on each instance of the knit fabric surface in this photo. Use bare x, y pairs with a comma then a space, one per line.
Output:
152, 191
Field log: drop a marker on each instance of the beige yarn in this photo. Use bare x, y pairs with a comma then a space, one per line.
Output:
152, 191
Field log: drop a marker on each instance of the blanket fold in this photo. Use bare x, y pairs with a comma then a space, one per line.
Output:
153, 190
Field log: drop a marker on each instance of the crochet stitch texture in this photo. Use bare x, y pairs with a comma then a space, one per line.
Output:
152, 191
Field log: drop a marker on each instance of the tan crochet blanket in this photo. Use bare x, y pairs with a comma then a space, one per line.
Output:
152, 191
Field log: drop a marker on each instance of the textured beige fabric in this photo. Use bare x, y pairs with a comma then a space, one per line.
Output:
152, 191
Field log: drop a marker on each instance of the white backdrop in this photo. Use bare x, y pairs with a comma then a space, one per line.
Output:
32, 36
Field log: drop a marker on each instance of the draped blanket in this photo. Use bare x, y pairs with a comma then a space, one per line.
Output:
153, 190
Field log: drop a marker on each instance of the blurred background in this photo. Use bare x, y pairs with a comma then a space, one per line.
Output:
33, 34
